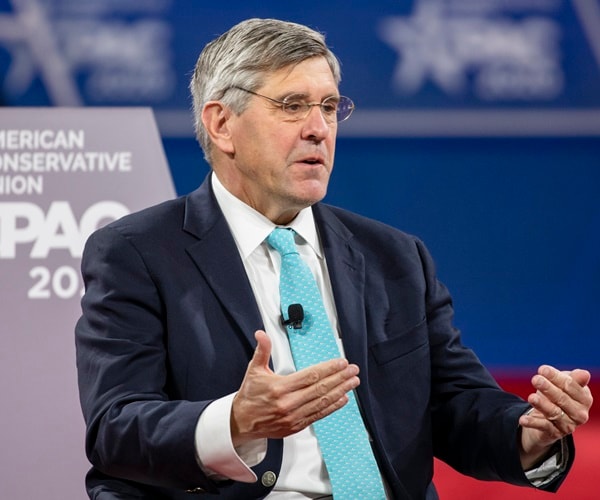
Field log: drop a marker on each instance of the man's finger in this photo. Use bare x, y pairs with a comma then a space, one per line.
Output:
558, 385
559, 392
317, 373
582, 377
327, 391
323, 411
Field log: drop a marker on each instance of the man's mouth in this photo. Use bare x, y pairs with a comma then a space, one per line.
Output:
313, 160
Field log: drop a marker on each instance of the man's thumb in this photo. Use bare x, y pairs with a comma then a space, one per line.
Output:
262, 353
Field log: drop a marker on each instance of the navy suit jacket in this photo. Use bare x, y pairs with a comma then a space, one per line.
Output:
168, 326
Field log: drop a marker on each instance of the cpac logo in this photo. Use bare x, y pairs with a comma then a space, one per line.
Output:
25, 223
499, 56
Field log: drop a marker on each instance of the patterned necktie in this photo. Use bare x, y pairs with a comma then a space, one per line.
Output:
342, 435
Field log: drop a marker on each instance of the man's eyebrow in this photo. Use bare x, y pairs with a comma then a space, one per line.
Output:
303, 96
294, 95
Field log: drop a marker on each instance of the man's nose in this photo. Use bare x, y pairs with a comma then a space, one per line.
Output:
316, 126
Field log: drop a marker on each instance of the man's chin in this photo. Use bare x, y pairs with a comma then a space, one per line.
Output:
311, 194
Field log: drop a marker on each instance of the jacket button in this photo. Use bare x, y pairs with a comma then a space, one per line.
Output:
196, 491
268, 479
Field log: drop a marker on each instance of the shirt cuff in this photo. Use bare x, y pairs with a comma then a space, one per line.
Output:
217, 456
551, 468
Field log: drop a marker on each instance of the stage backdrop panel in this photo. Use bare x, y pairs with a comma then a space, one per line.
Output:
63, 173
477, 127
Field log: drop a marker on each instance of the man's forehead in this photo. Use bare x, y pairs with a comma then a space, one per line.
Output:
301, 78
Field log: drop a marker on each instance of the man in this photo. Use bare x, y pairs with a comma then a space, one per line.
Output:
187, 380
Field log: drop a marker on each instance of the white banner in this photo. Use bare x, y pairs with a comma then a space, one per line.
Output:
63, 173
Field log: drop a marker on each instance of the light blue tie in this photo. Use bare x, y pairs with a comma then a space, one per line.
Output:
342, 435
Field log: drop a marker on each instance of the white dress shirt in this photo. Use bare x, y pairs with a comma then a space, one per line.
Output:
301, 452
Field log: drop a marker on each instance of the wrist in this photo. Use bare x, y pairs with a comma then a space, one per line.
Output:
537, 455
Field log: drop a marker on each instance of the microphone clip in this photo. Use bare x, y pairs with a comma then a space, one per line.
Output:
295, 317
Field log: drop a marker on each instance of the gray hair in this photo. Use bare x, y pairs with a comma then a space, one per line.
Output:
243, 56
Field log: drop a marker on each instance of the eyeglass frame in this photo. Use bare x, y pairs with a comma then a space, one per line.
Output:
283, 103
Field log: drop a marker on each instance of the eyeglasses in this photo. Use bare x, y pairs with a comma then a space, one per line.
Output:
333, 108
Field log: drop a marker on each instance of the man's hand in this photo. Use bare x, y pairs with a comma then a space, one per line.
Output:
268, 405
560, 404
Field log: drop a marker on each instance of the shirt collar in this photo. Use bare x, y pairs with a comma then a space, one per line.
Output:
250, 228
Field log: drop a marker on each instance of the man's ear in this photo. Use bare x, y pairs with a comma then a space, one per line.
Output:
215, 117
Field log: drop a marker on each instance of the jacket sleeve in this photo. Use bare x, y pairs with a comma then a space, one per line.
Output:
134, 430
475, 423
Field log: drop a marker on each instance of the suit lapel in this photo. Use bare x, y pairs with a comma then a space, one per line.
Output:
346, 267
217, 258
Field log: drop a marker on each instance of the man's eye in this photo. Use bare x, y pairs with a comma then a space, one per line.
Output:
294, 106
329, 108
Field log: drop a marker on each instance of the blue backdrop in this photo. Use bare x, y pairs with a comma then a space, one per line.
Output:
477, 129
513, 224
